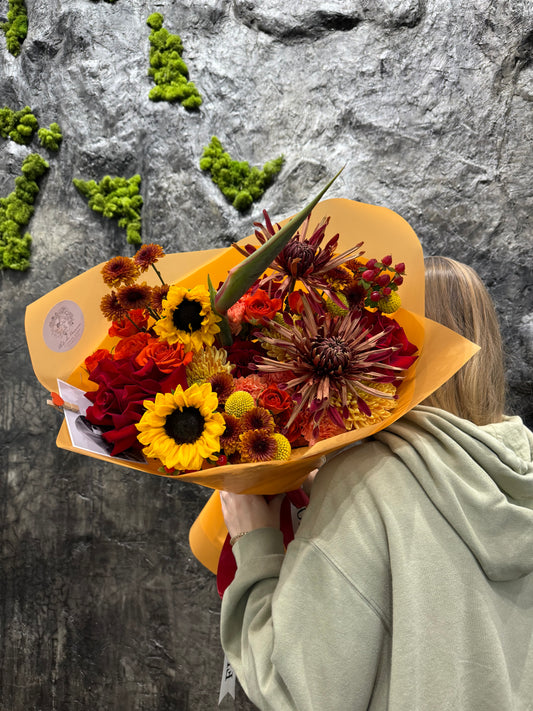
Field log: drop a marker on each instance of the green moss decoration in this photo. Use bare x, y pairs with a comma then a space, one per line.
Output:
240, 184
16, 27
15, 213
20, 126
51, 137
118, 198
167, 68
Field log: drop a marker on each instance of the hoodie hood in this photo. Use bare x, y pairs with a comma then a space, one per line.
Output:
480, 478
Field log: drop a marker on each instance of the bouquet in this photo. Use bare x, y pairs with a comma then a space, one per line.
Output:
244, 372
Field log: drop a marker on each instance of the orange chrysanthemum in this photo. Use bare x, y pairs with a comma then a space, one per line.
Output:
148, 255
111, 307
119, 270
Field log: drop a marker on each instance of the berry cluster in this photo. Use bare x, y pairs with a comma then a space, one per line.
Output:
378, 280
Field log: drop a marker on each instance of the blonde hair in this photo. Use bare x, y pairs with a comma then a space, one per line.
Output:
457, 298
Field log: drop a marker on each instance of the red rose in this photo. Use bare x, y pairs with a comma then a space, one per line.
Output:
242, 354
123, 387
131, 345
125, 327
167, 357
92, 361
259, 308
275, 400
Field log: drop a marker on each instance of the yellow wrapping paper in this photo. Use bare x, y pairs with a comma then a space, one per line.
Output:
57, 352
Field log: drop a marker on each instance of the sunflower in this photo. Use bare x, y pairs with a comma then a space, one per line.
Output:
182, 429
330, 357
119, 270
188, 318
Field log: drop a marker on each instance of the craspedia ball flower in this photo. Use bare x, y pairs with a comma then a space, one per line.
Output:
119, 270
182, 428
187, 318
257, 446
111, 307
148, 255
238, 403
257, 418
334, 308
389, 304
283, 447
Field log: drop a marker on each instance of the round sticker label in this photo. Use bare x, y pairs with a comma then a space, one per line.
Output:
63, 326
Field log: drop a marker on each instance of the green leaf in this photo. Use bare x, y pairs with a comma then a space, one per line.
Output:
242, 276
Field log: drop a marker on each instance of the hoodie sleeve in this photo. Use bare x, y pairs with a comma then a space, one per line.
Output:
285, 632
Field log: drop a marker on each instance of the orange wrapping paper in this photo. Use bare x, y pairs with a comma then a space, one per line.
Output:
441, 351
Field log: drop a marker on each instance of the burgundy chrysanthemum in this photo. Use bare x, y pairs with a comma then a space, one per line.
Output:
257, 446
136, 296
258, 418
222, 385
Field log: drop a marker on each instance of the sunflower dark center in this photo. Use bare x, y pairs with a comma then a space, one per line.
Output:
329, 355
302, 252
185, 426
187, 316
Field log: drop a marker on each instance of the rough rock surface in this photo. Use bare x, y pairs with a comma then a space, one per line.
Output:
429, 105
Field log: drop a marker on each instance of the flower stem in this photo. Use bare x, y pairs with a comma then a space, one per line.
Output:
156, 270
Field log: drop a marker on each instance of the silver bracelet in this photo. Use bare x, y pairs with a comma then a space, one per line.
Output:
236, 537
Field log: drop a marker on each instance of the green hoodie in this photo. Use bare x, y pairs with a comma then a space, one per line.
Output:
409, 585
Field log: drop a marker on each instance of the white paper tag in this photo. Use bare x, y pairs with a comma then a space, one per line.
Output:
227, 684
63, 326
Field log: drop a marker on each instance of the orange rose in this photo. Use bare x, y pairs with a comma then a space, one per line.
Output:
259, 308
125, 327
166, 357
274, 399
130, 346
92, 361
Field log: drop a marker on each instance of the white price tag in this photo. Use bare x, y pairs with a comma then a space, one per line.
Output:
227, 684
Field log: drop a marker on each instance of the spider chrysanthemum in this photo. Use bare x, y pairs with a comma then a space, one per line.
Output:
330, 357
119, 270
182, 428
187, 317
304, 259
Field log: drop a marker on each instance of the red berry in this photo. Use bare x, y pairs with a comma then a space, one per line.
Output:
398, 280
375, 296
387, 261
371, 263
387, 291
368, 275
400, 267
221, 461
383, 280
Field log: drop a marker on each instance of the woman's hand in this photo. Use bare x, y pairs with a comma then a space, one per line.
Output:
246, 512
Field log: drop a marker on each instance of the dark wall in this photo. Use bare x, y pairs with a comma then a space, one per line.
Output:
102, 604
